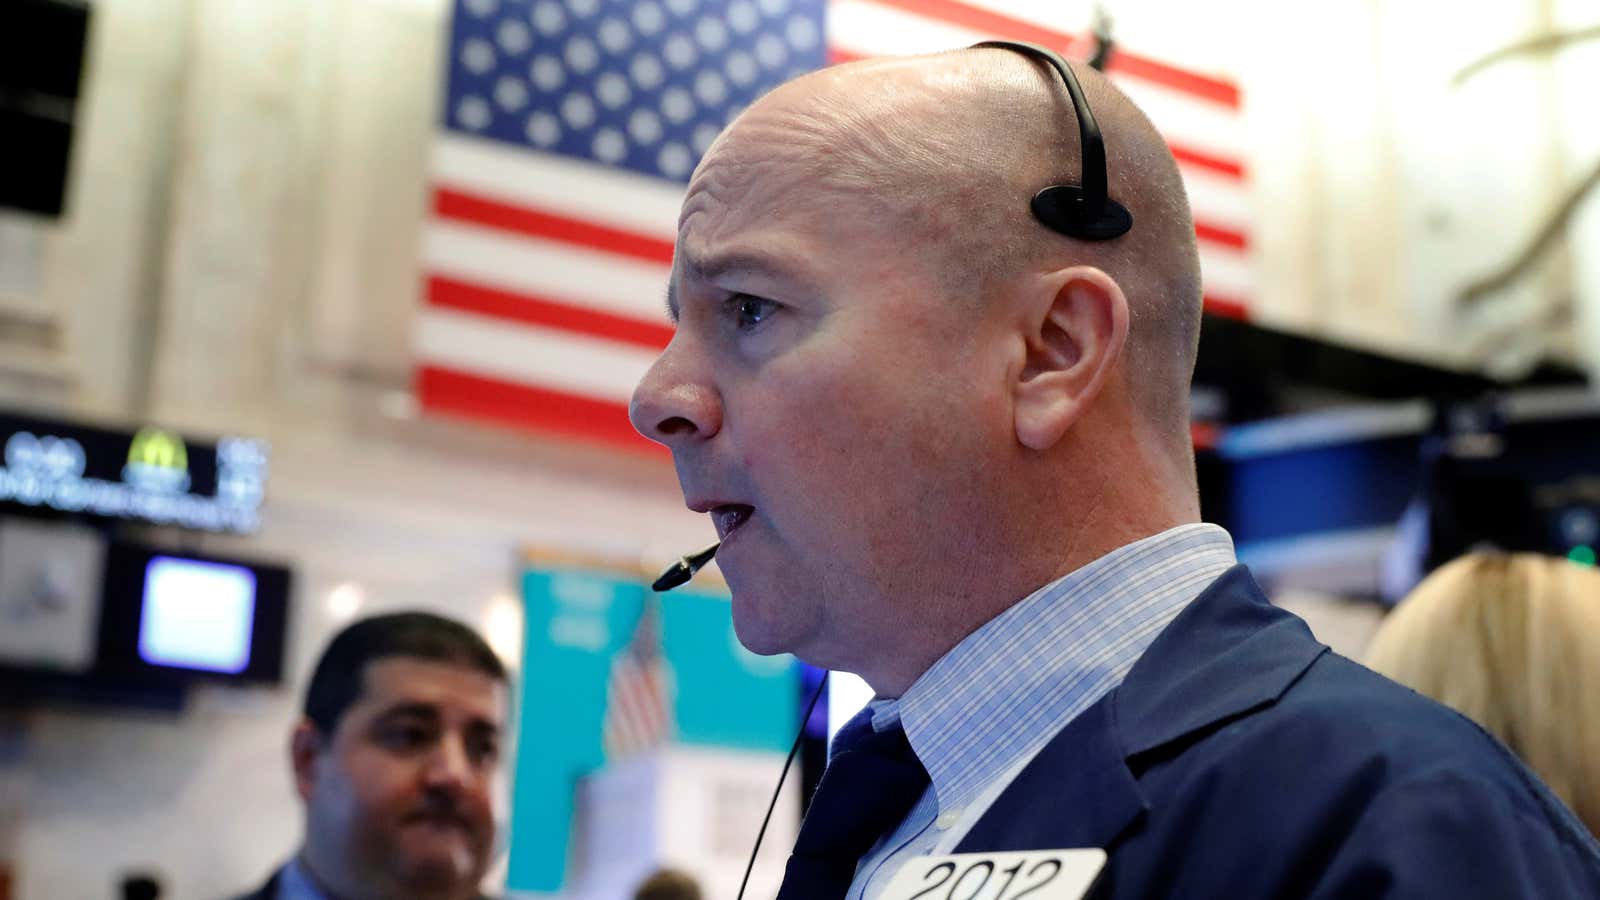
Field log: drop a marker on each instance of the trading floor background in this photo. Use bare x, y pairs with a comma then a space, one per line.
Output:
357, 289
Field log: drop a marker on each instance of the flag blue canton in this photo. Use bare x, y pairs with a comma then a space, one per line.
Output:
645, 86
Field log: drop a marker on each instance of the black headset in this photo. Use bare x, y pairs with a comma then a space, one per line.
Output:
1081, 211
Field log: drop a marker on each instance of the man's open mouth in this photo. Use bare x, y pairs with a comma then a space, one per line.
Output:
729, 517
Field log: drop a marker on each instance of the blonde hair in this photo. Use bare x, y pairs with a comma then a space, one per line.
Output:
1512, 642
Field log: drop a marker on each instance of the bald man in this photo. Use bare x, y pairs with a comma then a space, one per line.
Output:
948, 448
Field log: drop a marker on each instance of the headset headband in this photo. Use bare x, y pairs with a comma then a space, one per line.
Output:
1082, 211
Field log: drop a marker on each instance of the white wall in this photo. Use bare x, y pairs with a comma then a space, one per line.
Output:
1381, 189
1385, 189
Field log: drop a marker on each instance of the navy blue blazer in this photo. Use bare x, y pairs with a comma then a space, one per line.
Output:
1242, 759
269, 891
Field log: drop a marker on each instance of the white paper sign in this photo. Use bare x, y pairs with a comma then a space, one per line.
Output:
1033, 874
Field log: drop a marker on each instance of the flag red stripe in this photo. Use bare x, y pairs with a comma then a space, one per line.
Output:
1133, 65
1218, 234
1226, 307
636, 716
532, 222
641, 709
1122, 62
985, 21
1185, 155
1201, 160
450, 203
630, 708
526, 406
452, 294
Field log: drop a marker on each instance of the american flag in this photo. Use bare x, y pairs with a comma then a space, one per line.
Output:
569, 130
639, 692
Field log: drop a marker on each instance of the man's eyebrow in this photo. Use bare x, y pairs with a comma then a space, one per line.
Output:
738, 263
479, 723
420, 710
413, 709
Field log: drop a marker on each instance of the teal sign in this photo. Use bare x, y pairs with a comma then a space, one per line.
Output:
606, 663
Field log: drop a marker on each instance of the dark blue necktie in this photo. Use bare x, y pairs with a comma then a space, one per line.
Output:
870, 784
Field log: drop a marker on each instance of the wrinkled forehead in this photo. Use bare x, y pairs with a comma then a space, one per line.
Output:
758, 192
765, 164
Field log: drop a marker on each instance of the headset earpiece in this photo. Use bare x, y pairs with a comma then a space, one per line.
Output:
1083, 210
1061, 207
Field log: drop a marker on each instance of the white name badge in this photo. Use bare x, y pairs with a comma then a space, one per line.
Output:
1034, 875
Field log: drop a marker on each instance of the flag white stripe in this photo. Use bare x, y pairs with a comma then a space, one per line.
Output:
626, 731
1067, 18
555, 270
637, 717
1217, 199
460, 249
864, 28
641, 708
632, 729
1183, 120
560, 272
559, 185
1226, 273
529, 354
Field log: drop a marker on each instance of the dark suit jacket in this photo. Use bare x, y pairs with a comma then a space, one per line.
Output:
269, 891
1242, 759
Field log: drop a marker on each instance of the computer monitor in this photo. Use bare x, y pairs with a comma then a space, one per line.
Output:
167, 616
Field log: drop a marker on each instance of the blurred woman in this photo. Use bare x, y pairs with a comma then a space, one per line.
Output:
1513, 642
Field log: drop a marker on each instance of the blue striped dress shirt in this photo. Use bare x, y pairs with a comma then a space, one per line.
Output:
980, 714
294, 883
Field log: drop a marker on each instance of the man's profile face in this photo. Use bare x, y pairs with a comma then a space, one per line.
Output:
401, 799
822, 397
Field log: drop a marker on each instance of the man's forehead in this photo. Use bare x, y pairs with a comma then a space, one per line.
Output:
750, 215
398, 680
747, 176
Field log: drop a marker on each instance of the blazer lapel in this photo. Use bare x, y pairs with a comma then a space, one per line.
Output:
1083, 776
1227, 653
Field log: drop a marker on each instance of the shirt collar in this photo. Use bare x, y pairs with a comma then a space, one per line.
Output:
999, 695
295, 883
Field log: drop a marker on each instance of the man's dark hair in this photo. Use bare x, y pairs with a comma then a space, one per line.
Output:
668, 884
336, 682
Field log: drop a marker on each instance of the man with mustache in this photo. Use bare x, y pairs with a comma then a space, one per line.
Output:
944, 437
397, 762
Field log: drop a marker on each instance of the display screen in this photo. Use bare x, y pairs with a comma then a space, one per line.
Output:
197, 615
171, 617
150, 475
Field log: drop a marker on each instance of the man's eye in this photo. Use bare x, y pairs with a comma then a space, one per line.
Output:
406, 736
750, 311
484, 751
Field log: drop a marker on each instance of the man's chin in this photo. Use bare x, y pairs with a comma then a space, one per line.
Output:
445, 868
760, 624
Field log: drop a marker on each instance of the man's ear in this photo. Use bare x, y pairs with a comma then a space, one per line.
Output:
1073, 341
306, 743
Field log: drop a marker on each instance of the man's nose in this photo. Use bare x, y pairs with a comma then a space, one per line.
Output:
450, 766
674, 404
